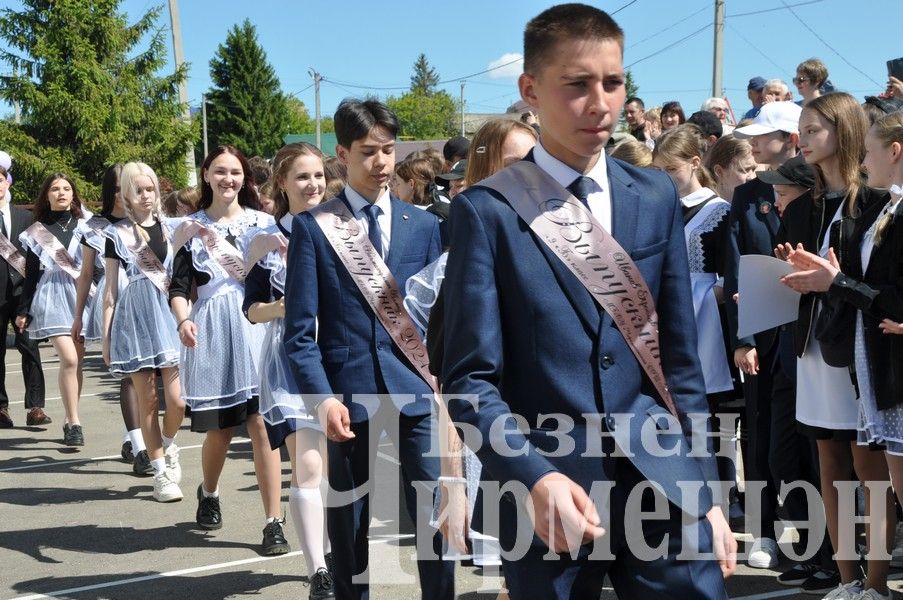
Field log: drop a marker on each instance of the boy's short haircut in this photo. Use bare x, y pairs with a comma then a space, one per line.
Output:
814, 70
566, 22
635, 100
354, 119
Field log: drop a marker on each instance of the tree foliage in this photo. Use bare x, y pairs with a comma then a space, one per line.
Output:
90, 92
630, 85
425, 77
424, 113
247, 107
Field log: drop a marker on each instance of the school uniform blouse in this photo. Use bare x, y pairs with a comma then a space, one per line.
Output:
878, 294
57, 223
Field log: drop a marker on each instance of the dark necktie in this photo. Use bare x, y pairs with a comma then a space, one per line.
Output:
582, 187
374, 232
3, 225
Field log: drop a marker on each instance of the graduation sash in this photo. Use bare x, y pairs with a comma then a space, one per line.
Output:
145, 259
225, 254
262, 245
12, 255
375, 282
567, 227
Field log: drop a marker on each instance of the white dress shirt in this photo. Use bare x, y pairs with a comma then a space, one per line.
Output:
599, 201
384, 219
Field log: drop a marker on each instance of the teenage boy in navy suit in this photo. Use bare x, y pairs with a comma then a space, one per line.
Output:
14, 221
525, 338
342, 356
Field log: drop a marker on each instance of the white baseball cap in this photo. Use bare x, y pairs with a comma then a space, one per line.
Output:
774, 116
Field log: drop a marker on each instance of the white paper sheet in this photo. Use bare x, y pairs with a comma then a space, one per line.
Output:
765, 302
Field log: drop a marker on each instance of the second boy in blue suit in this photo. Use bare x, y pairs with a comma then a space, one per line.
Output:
342, 356
524, 338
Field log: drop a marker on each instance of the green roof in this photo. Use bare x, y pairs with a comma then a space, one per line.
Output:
327, 141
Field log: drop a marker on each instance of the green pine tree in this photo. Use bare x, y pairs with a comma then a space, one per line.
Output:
247, 107
425, 77
91, 93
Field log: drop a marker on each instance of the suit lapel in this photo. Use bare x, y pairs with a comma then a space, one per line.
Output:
624, 203
400, 233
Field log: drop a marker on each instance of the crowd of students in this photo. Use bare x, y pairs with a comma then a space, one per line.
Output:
237, 299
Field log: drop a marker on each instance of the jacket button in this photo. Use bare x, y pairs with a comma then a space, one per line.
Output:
607, 361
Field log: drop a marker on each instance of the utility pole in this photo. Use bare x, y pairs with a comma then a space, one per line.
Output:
317, 78
462, 108
718, 60
179, 58
204, 121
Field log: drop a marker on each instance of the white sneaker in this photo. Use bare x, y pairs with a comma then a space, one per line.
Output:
763, 554
165, 489
845, 591
172, 464
872, 594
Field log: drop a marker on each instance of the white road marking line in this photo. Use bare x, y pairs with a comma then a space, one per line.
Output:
93, 395
55, 463
180, 572
43, 368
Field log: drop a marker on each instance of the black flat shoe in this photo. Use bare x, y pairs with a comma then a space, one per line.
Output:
73, 435
274, 541
142, 466
208, 514
321, 585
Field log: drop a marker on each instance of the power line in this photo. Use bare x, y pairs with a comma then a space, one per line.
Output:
671, 45
623, 7
405, 87
766, 10
842, 57
757, 49
669, 27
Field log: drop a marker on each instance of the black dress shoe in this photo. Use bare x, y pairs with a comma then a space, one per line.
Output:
322, 585
73, 435
142, 466
126, 452
208, 514
6, 421
274, 541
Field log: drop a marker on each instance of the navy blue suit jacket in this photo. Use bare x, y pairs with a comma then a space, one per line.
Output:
524, 336
333, 340
752, 230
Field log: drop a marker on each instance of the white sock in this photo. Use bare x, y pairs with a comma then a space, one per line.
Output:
137, 441
213, 494
159, 465
167, 441
306, 507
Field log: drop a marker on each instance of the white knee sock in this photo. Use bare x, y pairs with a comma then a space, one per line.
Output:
167, 441
324, 489
137, 441
306, 508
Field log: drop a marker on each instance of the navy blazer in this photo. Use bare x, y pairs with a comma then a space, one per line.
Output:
334, 342
753, 228
523, 336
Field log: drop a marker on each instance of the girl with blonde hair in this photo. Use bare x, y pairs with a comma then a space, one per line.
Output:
139, 332
497, 144
731, 163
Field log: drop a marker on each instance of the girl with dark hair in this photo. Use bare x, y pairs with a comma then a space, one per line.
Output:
299, 184
47, 307
92, 240
219, 360
139, 333
672, 115
833, 128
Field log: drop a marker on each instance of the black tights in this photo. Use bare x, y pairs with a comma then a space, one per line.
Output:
128, 403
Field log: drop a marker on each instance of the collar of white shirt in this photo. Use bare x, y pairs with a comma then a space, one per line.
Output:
697, 197
566, 175
286, 221
358, 202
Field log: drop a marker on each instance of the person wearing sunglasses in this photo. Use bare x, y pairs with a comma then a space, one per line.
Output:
811, 74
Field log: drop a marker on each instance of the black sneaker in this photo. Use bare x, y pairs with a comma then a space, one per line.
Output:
797, 574
821, 582
73, 435
274, 541
126, 452
208, 514
142, 466
321, 585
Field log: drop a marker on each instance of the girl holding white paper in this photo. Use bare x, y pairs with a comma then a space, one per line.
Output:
832, 139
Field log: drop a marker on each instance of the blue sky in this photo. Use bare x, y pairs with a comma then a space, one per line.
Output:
355, 43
